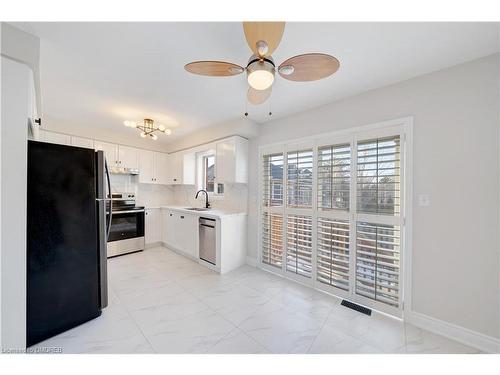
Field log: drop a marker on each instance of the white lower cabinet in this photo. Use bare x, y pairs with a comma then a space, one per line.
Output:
152, 226
168, 232
188, 234
180, 232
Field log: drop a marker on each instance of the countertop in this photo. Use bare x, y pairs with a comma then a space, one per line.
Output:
217, 213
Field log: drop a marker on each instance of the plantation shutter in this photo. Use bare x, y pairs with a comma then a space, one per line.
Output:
334, 172
333, 252
377, 262
299, 178
378, 176
299, 245
272, 189
272, 239
378, 239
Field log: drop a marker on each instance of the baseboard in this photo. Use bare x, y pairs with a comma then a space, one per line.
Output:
251, 261
463, 335
151, 245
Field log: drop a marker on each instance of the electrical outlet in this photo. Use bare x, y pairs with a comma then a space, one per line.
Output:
424, 200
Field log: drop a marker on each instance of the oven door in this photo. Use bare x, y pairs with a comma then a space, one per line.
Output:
126, 225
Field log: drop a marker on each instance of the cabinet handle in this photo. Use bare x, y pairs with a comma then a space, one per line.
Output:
170, 214
182, 217
175, 179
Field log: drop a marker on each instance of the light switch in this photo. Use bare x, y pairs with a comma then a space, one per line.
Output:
424, 200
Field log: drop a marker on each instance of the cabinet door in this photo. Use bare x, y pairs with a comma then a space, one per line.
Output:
161, 168
146, 167
175, 169
128, 157
82, 142
110, 152
190, 232
153, 226
231, 164
60, 139
169, 232
224, 161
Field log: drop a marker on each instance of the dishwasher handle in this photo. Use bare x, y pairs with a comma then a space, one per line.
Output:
207, 222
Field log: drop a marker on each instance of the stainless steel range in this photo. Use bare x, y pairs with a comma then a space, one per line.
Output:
127, 226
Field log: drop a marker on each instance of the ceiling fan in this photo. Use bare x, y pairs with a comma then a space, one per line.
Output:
263, 38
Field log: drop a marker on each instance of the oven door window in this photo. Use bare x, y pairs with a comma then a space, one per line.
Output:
125, 226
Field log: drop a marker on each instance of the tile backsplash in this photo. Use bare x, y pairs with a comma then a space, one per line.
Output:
235, 197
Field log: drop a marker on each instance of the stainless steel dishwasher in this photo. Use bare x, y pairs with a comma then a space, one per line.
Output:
208, 246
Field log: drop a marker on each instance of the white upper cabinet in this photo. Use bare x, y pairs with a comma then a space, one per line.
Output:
181, 168
82, 142
153, 167
161, 167
128, 157
119, 155
110, 152
231, 164
146, 167
58, 138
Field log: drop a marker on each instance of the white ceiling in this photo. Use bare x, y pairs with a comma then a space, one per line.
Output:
99, 74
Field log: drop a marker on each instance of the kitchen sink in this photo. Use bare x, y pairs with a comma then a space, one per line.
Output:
197, 209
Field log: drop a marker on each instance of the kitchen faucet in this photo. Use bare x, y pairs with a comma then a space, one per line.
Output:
207, 204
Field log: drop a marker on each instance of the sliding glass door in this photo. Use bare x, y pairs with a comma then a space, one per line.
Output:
332, 214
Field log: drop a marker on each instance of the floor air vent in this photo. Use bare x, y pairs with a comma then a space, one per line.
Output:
361, 309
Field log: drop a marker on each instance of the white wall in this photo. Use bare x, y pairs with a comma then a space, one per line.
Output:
455, 273
15, 100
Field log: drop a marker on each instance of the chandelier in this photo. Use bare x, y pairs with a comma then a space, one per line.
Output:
148, 128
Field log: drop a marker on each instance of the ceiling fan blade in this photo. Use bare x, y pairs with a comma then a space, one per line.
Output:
214, 68
308, 67
269, 32
257, 97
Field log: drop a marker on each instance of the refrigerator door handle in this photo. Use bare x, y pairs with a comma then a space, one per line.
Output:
108, 227
104, 224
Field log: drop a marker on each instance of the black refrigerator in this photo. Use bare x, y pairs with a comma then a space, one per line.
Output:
68, 218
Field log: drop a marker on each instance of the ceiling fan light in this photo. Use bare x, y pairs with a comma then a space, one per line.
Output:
260, 79
168, 131
154, 136
161, 128
260, 74
143, 135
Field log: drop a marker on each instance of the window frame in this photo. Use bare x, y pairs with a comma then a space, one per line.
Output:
402, 127
201, 173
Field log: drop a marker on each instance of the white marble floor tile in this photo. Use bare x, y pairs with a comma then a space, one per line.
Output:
281, 330
162, 302
237, 342
194, 334
330, 341
139, 299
